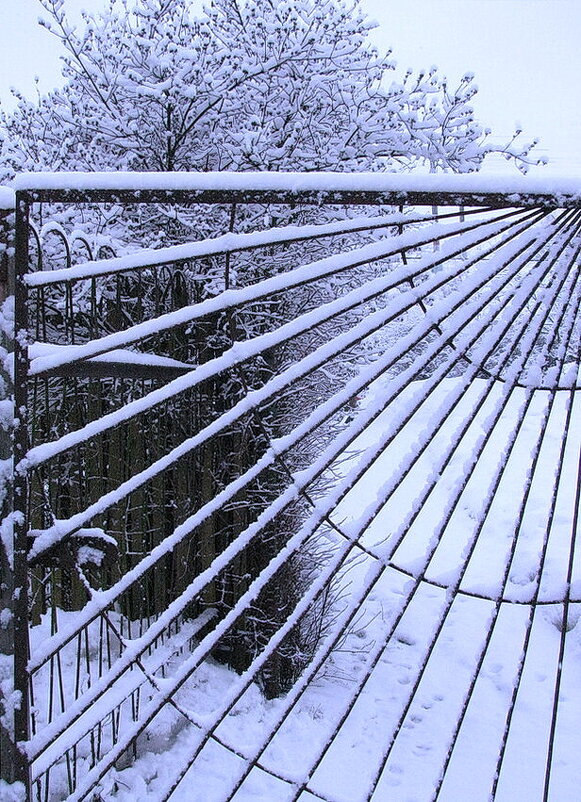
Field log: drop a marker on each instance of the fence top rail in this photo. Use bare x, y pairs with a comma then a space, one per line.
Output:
473, 189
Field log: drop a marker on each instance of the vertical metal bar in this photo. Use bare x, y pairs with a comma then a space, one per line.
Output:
7, 747
21, 645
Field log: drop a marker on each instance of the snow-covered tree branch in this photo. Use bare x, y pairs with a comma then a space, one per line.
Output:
254, 85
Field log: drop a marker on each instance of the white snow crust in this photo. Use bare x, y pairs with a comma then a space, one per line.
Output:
294, 182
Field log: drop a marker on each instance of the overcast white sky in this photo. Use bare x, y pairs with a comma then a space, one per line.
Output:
526, 55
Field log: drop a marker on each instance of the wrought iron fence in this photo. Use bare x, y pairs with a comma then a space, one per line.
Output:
229, 446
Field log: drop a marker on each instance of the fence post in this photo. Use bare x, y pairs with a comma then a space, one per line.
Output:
20, 490
8, 755
14, 695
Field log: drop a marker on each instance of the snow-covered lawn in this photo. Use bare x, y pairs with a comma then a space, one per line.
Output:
460, 674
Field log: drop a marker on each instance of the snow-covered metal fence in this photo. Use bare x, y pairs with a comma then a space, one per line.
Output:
251, 448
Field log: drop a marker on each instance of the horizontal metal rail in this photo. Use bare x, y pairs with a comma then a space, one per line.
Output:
310, 188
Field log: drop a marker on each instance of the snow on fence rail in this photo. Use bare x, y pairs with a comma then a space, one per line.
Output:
366, 188
291, 441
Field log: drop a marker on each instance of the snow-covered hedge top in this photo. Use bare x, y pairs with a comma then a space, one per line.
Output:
476, 183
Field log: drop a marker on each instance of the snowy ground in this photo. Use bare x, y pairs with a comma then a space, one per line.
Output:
462, 640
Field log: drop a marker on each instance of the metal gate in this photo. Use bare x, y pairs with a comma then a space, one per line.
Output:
284, 432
